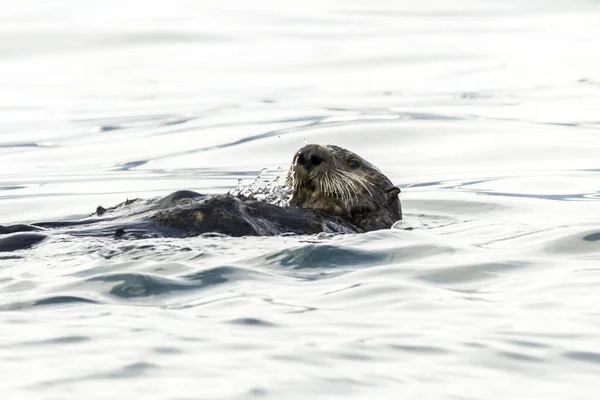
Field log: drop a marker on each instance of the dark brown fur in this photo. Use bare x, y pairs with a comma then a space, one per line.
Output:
335, 190
345, 185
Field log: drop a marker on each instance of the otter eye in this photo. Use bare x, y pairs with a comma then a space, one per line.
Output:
353, 164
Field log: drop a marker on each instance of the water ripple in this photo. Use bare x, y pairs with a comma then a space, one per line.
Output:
492, 277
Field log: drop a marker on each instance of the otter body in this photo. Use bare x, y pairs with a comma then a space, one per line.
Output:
334, 190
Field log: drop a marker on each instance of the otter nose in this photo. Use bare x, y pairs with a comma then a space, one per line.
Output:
311, 157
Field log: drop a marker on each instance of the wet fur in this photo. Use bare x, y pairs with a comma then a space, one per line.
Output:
345, 185
333, 197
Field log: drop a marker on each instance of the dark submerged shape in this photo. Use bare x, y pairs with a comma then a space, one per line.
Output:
335, 191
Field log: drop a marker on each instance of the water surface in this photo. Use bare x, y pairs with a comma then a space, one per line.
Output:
484, 113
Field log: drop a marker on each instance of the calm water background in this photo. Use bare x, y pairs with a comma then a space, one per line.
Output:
486, 113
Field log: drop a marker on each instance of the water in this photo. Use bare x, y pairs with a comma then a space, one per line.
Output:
485, 113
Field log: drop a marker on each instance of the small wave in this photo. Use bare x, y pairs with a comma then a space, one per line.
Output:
132, 285
66, 340
348, 253
422, 349
251, 322
469, 274
582, 244
585, 356
19, 240
56, 300
318, 256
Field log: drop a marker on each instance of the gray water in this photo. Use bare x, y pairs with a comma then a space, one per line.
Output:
485, 113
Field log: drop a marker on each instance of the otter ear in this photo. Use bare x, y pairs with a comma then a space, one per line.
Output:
392, 192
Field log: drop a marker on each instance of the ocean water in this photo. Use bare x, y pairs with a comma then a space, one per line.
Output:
485, 113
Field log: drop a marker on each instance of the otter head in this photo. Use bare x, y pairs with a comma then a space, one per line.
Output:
338, 182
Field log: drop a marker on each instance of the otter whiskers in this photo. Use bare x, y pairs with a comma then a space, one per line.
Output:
356, 179
337, 183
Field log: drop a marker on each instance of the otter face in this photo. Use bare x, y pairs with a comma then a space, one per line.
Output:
338, 182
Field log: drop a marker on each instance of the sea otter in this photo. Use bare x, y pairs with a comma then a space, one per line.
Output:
334, 190
336, 181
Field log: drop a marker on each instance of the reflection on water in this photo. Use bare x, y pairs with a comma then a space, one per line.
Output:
484, 113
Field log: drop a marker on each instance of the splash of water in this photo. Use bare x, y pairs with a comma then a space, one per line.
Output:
265, 189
